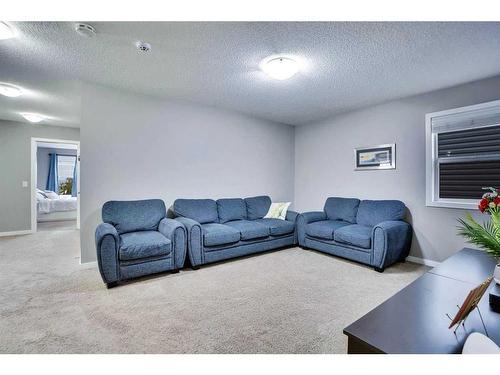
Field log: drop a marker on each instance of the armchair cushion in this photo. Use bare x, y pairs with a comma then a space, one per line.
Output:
219, 234
133, 216
277, 227
373, 212
145, 244
355, 234
249, 230
257, 207
201, 210
342, 209
231, 209
325, 228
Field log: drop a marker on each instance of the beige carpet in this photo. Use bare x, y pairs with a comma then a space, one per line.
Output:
288, 301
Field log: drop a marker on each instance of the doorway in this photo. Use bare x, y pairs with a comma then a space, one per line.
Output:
55, 184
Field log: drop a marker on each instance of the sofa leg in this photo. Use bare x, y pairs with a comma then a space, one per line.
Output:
379, 269
195, 267
175, 270
111, 285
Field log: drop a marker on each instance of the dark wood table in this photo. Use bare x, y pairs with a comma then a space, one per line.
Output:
414, 319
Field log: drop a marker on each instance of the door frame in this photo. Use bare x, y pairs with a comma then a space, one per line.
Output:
34, 147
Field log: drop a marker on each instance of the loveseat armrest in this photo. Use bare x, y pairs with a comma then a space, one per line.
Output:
304, 219
175, 232
194, 240
391, 243
107, 243
291, 216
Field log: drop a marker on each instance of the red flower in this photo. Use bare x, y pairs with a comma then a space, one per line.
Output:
497, 201
483, 205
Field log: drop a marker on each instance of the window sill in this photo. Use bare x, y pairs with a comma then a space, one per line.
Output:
451, 203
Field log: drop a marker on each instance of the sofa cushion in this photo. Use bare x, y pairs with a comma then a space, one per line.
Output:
230, 209
354, 234
133, 216
219, 234
145, 244
249, 230
325, 228
277, 227
374, 212
342, 209
200, 210
257, 207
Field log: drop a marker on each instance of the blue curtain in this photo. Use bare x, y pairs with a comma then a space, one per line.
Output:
74, 187
52, 183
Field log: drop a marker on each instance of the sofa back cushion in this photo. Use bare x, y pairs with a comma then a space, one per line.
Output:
230, 209
342, 209
257, 207
201, 210
374, 212
133, 216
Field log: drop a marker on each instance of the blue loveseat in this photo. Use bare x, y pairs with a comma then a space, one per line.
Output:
368, 231
136, 238
229, 228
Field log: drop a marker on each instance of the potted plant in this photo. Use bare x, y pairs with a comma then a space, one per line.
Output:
486, 235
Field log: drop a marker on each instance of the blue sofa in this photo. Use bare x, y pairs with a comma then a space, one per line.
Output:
368, 231
229, 228
136, 239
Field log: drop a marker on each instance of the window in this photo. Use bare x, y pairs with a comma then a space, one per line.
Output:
65, 169
463, 154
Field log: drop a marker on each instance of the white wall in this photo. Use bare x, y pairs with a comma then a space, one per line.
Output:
325, 161
135, 147
15, 167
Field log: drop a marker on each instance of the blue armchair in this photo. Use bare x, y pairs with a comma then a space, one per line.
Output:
369, 232
136, 239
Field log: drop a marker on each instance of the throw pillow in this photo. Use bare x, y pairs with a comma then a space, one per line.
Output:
277, 210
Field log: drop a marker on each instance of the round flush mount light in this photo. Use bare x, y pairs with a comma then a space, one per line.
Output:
6, 32
86, 30
143, 46
6, 89
279, 67
33, 117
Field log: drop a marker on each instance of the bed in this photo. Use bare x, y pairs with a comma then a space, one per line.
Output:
53, 207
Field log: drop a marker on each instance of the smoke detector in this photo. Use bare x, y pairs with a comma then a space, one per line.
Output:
85, 30
143, 46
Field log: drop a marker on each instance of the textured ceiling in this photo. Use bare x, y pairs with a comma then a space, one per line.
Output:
345, 65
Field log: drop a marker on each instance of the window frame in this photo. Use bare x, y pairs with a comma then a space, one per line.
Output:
432, 160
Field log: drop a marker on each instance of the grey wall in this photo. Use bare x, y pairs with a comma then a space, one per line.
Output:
15, 167
135, 147
43, 163
325, 161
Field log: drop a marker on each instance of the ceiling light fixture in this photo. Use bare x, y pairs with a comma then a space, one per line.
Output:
5, 31
143, 46
280, 67
33, 117
86, 30
6, 89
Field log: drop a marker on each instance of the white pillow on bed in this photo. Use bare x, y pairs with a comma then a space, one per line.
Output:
42, 193
51, 194
40, 196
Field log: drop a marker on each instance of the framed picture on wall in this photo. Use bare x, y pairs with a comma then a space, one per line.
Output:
375, 157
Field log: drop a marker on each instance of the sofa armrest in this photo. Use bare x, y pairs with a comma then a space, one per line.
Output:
291, 216
194, 240
107, 243
304, 219
175, 232
391, 243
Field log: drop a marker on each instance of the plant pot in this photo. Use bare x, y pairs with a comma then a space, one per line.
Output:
496, 274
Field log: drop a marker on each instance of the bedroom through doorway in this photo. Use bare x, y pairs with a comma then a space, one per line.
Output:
55, 184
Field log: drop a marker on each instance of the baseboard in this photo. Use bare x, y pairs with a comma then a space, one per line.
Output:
425, 262
15, 233
88, 264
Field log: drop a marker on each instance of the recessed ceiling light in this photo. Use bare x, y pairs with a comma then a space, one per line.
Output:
85, 30
5, 31
6, 89
33, 117
280, 67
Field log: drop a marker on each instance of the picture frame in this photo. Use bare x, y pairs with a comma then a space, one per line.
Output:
375, 157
